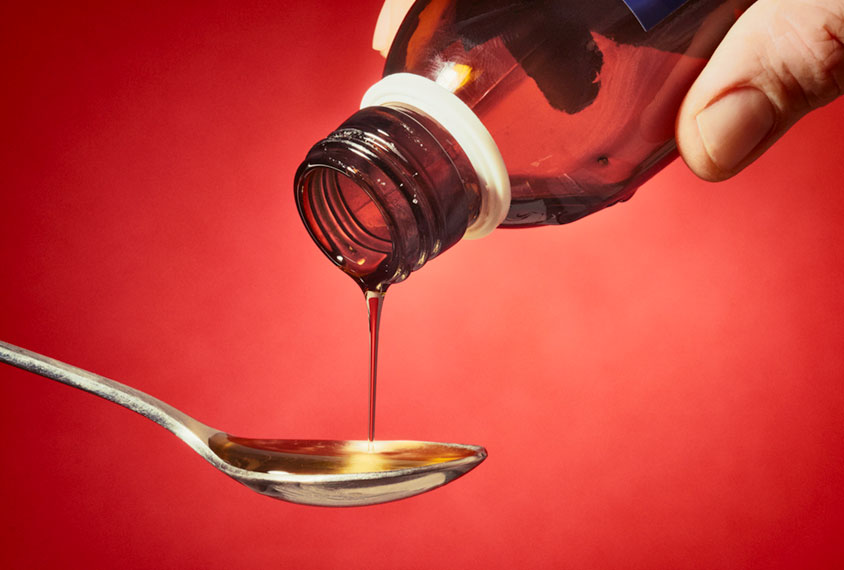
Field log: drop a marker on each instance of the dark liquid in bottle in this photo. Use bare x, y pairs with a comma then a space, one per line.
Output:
580, 99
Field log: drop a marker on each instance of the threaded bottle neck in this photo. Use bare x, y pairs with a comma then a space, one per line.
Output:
385, 193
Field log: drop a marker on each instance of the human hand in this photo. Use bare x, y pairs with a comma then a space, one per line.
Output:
781, 59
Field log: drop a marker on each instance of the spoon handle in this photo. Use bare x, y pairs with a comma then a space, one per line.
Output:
191, 431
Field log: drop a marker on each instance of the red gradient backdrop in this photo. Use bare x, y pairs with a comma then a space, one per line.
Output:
658, 386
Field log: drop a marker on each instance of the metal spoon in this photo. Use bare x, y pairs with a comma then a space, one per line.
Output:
309, 472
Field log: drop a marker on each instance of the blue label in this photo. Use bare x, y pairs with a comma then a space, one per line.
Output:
652, 12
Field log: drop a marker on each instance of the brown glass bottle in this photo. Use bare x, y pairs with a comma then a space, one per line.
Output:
579, 99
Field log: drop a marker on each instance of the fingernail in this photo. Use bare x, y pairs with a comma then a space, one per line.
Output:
734, 125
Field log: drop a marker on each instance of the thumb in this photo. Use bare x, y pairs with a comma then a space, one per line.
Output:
782, 59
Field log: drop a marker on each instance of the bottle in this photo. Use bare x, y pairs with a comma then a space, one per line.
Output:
503, 113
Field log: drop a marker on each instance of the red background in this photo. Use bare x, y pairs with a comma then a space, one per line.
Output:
658, 386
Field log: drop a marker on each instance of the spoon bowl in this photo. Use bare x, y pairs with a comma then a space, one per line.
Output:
310, 472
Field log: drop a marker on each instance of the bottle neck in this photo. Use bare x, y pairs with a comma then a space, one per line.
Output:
385, 193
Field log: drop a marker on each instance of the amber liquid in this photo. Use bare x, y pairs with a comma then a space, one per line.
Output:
321, 457
374, 303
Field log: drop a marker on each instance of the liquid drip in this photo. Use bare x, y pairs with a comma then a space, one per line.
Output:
320, 457
374, 304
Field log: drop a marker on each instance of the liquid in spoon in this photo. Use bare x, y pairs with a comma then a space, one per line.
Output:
328, 457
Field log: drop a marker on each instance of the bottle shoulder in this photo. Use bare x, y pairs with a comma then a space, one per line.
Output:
578, 97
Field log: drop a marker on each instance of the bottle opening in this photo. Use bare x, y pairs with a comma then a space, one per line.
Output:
347, 224
385, 193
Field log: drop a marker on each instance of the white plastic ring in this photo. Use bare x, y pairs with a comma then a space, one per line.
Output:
461, 122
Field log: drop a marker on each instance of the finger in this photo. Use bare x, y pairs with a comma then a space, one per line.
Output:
782, 59
389, 20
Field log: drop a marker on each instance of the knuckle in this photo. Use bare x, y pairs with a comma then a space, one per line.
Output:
807, 51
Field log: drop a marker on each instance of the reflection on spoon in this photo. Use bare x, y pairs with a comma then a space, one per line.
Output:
309, 472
